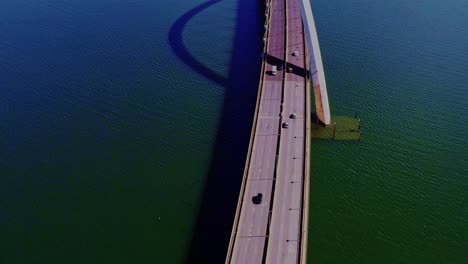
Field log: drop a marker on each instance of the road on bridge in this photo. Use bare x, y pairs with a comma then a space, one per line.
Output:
277, 167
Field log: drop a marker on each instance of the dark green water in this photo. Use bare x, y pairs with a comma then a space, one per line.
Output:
124, 127
400, 196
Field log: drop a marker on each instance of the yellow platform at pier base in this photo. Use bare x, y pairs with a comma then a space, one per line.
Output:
347, 128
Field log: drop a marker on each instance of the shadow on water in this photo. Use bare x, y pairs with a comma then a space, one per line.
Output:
214, 222
177, 44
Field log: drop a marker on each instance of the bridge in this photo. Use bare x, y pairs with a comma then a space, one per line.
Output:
271, 220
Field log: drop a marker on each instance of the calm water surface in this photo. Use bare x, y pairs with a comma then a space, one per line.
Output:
124, 127
400, 196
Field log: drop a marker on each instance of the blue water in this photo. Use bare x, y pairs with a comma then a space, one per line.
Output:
109, 131
124, 127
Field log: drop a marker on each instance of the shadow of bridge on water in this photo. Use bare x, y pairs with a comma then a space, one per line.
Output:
214, 222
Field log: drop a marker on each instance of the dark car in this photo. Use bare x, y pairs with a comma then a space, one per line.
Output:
257, 199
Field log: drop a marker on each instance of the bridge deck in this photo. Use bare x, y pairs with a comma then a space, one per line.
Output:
277, 167
285, 231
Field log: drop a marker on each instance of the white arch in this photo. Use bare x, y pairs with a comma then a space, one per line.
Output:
315, 59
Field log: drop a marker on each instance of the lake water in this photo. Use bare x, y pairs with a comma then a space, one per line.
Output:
125, 124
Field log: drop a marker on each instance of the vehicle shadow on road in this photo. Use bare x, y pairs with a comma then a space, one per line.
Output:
270, 59
221, 191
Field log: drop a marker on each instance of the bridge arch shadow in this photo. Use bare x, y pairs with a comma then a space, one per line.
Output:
177, 44
213, 225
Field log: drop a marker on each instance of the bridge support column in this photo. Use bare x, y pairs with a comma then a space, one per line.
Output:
315, 61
